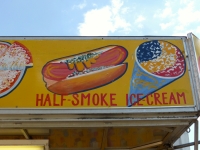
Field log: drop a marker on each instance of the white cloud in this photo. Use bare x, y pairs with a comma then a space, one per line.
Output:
198, 30
184, 1
96, 22
100, 22
166, 12
140, 19
116, 6
182, 33
81, 5
140, 26
187, 18
124, 10
94, 5
188, 14
179, 16
165, 25
179, 28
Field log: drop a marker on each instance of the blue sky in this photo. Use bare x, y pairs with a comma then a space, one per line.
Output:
103, 17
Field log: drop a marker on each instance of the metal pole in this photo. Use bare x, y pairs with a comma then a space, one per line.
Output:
196, 135
185, 145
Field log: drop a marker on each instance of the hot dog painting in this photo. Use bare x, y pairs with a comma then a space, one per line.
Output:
15, 58
85, 71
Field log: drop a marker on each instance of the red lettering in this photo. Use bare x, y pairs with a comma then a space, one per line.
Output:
181, 95
156, 98
138, 103
103, 101
147, 99
172, 99
95, 99
131, 99
83, 97
126, 99
54, 100
164, 98
112, 98
47, 99
75, 102
62, 99
39, 99
139, 98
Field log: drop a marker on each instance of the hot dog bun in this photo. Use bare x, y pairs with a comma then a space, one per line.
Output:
85, 71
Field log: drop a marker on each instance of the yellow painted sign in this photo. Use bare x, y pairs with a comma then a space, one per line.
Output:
93, 73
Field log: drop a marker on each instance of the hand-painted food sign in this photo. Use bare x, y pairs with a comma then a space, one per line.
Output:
158, 63
14, 60
94, 73
85, 71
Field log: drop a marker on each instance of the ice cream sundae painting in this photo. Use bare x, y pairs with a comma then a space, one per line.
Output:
158, 63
